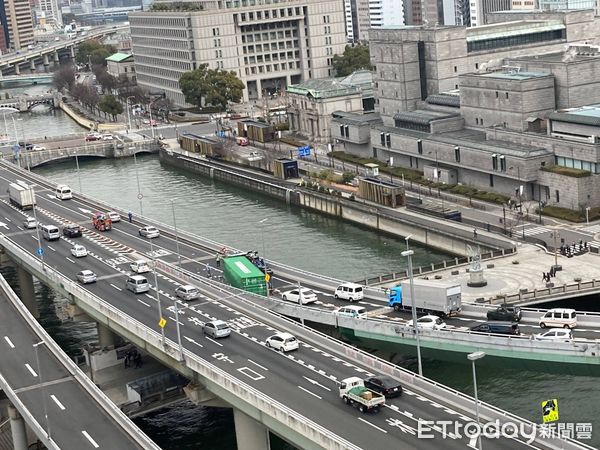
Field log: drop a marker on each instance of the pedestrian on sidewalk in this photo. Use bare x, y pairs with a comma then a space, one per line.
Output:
208, 272
218, 259
130, 215
474, 233
126, 360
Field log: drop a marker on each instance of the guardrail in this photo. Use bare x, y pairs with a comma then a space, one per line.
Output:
224, 381
115, 413
241, 300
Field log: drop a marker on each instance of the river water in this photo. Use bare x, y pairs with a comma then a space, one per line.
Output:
297, 237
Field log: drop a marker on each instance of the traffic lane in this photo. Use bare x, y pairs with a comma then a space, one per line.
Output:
75, 422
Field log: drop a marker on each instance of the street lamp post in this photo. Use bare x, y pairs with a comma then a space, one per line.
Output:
137, 176
474, 357
160, 316
78, 172
43, 388
408, 253
587, 215
181, 358
262, 233
176, 233
151, 124
40, 250
555, 235
128, 114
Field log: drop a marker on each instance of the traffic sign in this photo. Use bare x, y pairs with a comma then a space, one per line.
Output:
162, 322
140, 196
550, 410
304, 151
267, 277
40, 251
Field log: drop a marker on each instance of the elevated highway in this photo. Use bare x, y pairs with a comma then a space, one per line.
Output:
292, 395
58, 401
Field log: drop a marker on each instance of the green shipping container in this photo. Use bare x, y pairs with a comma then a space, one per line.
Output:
242, 274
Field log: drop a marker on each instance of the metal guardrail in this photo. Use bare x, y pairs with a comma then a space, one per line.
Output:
229, 383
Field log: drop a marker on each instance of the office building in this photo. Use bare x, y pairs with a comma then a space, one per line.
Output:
19, 23
268, 45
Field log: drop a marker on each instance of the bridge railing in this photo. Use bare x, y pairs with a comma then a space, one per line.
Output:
263, 308
119, 418
215, 377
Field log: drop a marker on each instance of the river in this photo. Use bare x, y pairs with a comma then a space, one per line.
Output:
297, 237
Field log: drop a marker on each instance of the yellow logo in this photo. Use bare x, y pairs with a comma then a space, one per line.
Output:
550, 410
267, 277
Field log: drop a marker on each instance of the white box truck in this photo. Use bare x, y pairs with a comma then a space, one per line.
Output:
21, 195
431, 296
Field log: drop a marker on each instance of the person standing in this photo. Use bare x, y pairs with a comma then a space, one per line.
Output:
130, 215
218, 259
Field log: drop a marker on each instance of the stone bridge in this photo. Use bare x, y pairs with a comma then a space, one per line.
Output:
25, 103
115, 149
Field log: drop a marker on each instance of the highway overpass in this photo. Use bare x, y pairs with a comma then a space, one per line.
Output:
293, 395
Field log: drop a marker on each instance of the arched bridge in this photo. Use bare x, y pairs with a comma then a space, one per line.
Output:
26, 102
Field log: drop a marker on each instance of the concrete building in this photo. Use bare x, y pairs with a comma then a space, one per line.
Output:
479, 9
519, 5
312, 103
412, 63
50, 11
268, 46
121, 66
559, 5
19, 23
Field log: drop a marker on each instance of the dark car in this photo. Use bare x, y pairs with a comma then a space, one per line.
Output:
506, 313
72, 230
509, 328
384, 385
26, 145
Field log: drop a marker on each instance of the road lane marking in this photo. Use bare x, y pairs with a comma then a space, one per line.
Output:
9, 342
51, 248
173, 319
213, 341
316, 383
193, 341
116, 287
143, 303
374, 426
258, 365
89, 438
311, 393
57, 401
151, 297
69, 259
252, 374
31, 370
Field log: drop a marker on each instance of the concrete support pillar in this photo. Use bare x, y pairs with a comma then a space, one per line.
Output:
17, 428
56, 58
17, 69
288, 80
258, 90
72, 52
46, 61
27, 291
249, 433
106, 337
32, 65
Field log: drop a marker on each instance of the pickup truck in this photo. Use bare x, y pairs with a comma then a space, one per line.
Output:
506, 313
354, 393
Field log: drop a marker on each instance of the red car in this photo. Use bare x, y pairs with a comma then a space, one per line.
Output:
93, 137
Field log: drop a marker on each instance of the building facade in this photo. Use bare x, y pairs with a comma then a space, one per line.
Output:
268, 45
122, 66
19, 23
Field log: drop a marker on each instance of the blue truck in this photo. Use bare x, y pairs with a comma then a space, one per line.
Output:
431, 297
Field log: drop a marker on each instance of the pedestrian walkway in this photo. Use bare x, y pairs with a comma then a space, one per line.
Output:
533, 231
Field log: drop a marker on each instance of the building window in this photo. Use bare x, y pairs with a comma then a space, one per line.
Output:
476, 66
495, 161
419, 147
557, 196
491, 180
457, 154
382, 138
507, 95
476, 120
375, 152
502, 163
496, 94
388, 140
455, 69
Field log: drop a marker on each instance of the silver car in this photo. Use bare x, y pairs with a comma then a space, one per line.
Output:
187, 292
86, 276
217, 329
149, 232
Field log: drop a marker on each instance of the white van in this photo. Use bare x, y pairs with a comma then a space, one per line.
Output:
63, 192
140, 266
137, 284
349, 291
559, 317
50, 232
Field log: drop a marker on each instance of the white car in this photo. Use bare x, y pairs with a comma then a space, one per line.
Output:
140, 266
284, 342
429, 323
38, 148
555, 334
30, 223
107, 137
294, 295
114, 216
78, 251
149, 232
187, 292
86, 276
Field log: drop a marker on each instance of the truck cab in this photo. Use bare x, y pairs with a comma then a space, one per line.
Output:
395, 297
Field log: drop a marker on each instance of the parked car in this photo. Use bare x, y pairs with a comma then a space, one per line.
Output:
114, 216
30, 223
187, 292
506, 313
429, 322
294, 295
510, 328
86, 276
216, 329
140, 266
555, 334
38, 148
149, 232
559, 317
78, 251
93, 137
284, 342
384, 385
72, 230
351, 310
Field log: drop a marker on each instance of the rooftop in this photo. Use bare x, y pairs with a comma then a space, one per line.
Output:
572, 54
509, 29
423, 116
357, 82
515, 75
119, 57
584, 115
348, 118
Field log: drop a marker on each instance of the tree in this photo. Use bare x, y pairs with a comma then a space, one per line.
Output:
110, 105
353, 58
64, 77
205, 86
106, 80
94, 51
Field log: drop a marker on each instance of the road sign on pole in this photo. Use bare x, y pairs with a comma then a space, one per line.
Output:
40, 251
304, 151
162, 322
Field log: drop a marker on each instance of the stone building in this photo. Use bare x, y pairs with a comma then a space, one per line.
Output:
121, 66
268, 45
